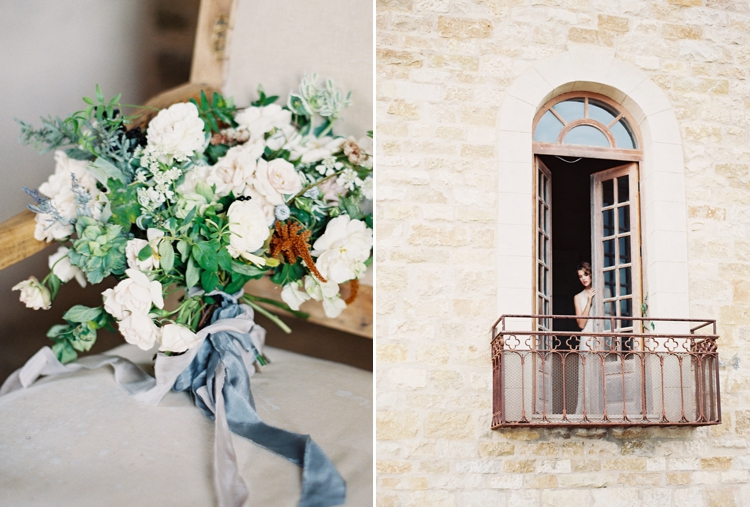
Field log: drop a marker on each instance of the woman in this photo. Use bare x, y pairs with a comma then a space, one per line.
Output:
590, 368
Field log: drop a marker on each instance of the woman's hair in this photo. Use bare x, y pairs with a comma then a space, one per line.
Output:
585, 267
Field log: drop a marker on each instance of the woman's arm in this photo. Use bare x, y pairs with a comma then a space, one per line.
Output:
581, 308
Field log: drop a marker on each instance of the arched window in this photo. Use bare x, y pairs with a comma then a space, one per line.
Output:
574, 120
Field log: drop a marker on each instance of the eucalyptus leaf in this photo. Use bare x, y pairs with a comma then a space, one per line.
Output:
145, 253
184, 248
103, 170
192, 274
167, 256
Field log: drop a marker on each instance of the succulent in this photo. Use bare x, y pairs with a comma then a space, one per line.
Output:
99, 250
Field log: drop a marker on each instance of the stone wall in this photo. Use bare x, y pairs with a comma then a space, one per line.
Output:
443, 70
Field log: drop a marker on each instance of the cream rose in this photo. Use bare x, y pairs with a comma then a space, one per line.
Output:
60, 265
64, 167
247, 227
234, 171
259, 120
343, 249
134, 295
260, 200
34, 294
138, 329
311, 148
176, 132
177, 338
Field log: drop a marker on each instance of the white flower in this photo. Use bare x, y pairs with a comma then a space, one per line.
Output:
259, 120
234, 171
34, 294
366, 188
268, 208
328, 293
177, 338
274, 178
348, 179
192, 177
248, 228
176, 132
64, 167
312, 148
134, 246
134, 295
293, 296
138, 329
343, 249
187, 202
60, 265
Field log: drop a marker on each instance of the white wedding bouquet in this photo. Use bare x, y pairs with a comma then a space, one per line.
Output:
202, 198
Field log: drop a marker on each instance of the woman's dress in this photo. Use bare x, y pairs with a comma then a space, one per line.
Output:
589, 371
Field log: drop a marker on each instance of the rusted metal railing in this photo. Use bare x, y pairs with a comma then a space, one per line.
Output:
618, 371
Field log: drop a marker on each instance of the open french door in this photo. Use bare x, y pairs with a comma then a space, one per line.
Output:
543, 360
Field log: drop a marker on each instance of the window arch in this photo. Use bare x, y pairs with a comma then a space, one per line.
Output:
574, 120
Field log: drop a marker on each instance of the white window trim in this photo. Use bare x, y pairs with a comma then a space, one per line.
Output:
663, 205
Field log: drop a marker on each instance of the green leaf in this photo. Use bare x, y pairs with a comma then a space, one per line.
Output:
145, 253
184, 248
225, 260
368, 221
84, 337
351, 207
288, 273
247, 269
204, 189
238, 281
123, 200
54, 285
167, 256
103, 170
64, 352
80, 313
58, 329
206, 256
192, 274
209, 280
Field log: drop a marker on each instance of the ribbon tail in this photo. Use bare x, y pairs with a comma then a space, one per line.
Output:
230, 488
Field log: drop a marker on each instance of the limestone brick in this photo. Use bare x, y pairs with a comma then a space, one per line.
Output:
393, 425
392, 352
449, 425
464, 27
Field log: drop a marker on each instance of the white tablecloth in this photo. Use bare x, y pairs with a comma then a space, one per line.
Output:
81, 440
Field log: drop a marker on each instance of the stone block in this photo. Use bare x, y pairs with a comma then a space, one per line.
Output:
449, 425
464, 28
720, 497
525, 466
565, 498
393, 425
403, 58
392, 352
613, 23
716, 463
541, 482
589, 36
678, 478
670, 31
689, 497
393, 466
493, 449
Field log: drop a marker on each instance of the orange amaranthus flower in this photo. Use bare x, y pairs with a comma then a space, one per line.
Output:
291, 239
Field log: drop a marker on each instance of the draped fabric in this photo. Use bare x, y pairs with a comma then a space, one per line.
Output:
217, 373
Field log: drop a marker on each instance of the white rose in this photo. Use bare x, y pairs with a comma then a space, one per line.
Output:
134, 246
331, 191
293, 296
60, 265
259, 120
283, 177
285, 137
64, 167
343, 249
134, 295
247, 227
33, 294
140, 330
260, 200
235, 170
177, 338
328, 293
176, 132
262, 183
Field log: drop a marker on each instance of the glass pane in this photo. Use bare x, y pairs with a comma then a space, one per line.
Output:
622, 189
540, 247
545, 187
626, 283
586, 135
539, 186
608, 193
570, 110
624, 219
601, 112
609, 284
624, 250
608, 222
546, 251
622, 135
548, 128
609, 253
540, 308
608, 310
546, 308
626, 307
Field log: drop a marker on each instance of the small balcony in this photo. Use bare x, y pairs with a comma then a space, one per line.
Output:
667, 374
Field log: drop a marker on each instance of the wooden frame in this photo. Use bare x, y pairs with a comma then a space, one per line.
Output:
212, 39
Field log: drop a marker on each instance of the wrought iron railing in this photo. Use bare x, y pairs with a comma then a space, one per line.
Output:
654, 372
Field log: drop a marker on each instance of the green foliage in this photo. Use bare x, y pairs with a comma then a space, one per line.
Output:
247, 269
288, 273
79, 332
99, 250
166, 255
263, 100
216, 113
123, 201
